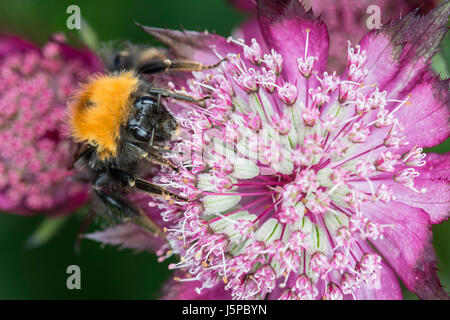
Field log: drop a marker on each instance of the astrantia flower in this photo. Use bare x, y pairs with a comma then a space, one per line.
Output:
35, 150
305, 184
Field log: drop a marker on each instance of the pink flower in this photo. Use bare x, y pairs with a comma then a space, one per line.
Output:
338, 203
35, 150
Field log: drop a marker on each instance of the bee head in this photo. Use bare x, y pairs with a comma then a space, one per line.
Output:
150, 121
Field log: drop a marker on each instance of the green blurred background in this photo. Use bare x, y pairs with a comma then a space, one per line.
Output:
106, 272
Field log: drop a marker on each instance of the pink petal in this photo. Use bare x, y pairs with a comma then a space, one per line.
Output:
407, 246
387, 288
10, 44
434, 176
64, 205
283, 24
244, 5
399, 53
192, 45
86, 56
7, 205
249, 30
426, 120
141, 200
185, 290
128, 236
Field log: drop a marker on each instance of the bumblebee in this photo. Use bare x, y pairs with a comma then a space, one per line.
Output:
121, 123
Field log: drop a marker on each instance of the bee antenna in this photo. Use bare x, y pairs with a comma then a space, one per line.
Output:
151, 138
153, 128
158, 102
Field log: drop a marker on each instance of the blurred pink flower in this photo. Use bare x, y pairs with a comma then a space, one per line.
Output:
306, 184
346, 20
35, 150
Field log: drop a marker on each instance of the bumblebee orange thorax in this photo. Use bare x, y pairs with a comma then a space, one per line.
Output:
100, 108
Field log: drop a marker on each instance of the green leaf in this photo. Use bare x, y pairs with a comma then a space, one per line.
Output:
48, 228
439, 65
88, 36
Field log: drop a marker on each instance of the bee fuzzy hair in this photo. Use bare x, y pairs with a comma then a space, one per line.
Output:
110, 53
100, 108
121, 56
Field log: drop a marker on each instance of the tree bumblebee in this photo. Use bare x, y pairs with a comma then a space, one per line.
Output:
120, 122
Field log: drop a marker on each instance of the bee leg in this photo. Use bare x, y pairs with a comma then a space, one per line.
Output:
153, 157
157, 190
119, 208
185, 65
160, 65
116, 207
179, 96
81, 153
145, 186
76, 156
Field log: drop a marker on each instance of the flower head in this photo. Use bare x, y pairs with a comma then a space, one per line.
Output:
304, 184
35, 150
